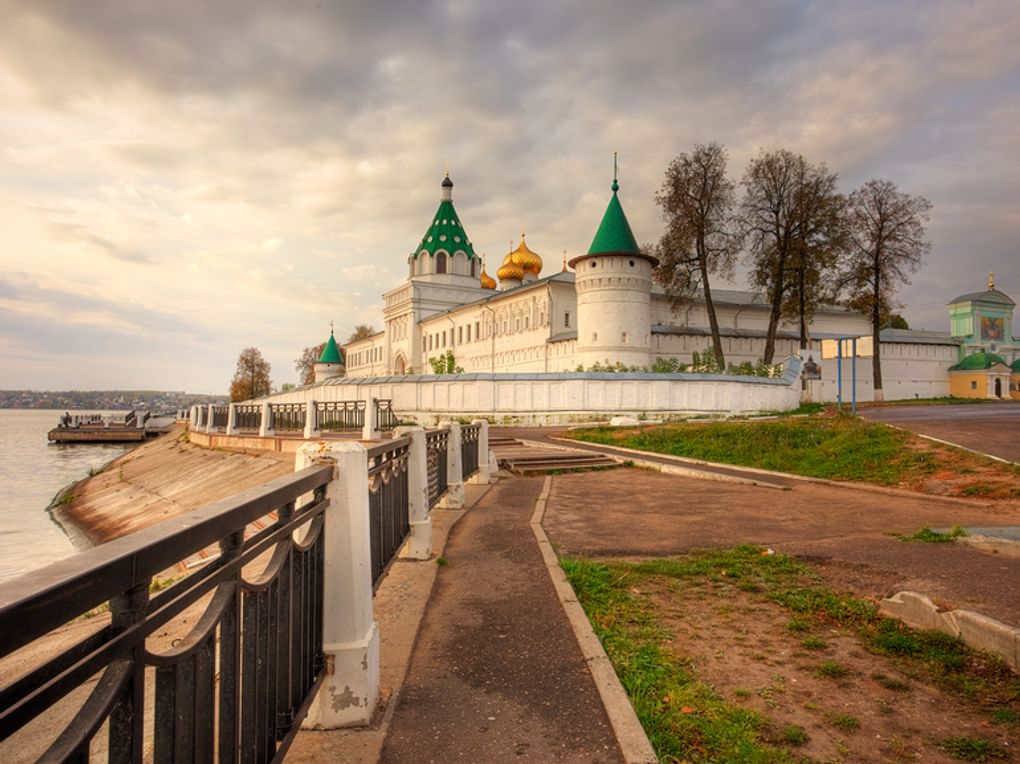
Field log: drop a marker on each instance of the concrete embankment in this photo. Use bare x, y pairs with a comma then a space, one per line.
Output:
158, 480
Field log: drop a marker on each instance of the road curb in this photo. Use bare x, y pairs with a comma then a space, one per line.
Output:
630, 735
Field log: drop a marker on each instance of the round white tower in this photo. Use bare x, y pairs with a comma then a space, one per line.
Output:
614, 289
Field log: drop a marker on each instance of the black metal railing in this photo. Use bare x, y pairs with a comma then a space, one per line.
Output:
437, 442
248, 416
235, 688
385, 418
286, 417
220, 414
469, 455
388, 501
202, 418
339, 415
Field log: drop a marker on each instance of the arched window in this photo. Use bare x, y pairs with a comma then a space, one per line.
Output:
474, 266
440, 262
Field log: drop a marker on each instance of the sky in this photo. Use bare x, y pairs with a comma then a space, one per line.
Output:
180, 180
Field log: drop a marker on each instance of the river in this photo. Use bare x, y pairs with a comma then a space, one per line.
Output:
32, 470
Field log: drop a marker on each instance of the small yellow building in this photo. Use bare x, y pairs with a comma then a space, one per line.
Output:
983, 375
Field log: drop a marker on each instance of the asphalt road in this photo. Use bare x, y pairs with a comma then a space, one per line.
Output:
991, 428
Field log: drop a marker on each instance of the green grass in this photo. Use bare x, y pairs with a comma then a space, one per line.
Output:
794, 735
834, 448
832, 670
845, 722
972, 749
687, 720
814, 643
928, 536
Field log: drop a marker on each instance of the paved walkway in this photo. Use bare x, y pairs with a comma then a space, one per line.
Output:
496, 674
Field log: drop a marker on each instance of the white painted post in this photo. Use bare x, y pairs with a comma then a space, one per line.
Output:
264, 430
310, 431
484, 469
192, 417
454, 498
350, 635
231, 414
208, 421
419, 544
370, 430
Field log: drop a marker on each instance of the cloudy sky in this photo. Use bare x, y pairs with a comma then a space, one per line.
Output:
179, 180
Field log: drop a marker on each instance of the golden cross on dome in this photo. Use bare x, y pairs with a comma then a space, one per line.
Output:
991, 280
331, 328
447, 168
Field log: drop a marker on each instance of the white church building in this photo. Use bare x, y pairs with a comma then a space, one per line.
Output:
602, 308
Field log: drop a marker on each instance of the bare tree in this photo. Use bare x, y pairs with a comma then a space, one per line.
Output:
361, 332
697, 201
251, 379
790, 220
887, 244
305, 365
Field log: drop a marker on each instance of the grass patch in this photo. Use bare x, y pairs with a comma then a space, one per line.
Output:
684, 717
687, 720
845, 722
442, 562
928, 536
972, 749
794, 734
814, 643
829, 446
832, 670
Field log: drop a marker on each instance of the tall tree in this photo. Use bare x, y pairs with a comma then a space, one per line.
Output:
888, 243
361, 332
305, 365
251, 379
697, 201
819, 243
789, 218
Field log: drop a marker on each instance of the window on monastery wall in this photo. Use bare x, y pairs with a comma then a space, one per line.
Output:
527, 320
443, 340
460, 335
594, 337
541, 319
474, 269
566, 319
973, 385
478, 334
469, 332
625, 337
517, 325
441, 262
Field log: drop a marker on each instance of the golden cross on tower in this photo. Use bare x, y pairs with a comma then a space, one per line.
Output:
991, 280
331, 328
447, 163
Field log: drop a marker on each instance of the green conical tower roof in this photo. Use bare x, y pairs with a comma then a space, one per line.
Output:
614, 234
446, 231
331, 353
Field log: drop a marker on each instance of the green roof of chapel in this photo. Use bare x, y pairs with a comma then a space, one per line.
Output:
614, 234
331, 353
446, 232
978, 361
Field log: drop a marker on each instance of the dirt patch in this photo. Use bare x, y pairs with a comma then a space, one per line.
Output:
822, 692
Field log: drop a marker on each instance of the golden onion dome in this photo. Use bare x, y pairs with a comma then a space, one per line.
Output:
529, 261
509, 270
487, 281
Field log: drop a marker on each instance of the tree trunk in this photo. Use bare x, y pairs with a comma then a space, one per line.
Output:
876, 322
774, 314
712, 320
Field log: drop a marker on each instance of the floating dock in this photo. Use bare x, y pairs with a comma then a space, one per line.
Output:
131, 427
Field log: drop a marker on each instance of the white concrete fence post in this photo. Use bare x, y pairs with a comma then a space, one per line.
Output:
454, 498
350, 635
231, 418
264, 429
208, 421
192, 417
419, 543
484, 473
370, 430
310, 431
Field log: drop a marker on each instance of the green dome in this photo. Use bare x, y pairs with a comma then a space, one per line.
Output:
446, 231
331, 353
614, 234
978, 361
1016, 365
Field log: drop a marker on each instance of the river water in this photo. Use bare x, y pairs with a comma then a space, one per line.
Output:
32, 470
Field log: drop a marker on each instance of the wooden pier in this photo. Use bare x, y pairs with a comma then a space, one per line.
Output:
130, 427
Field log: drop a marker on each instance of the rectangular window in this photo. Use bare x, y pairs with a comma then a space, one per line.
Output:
566, 319
444, 338
469, 332
527, 321
973, 385
460, 335
478, 334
